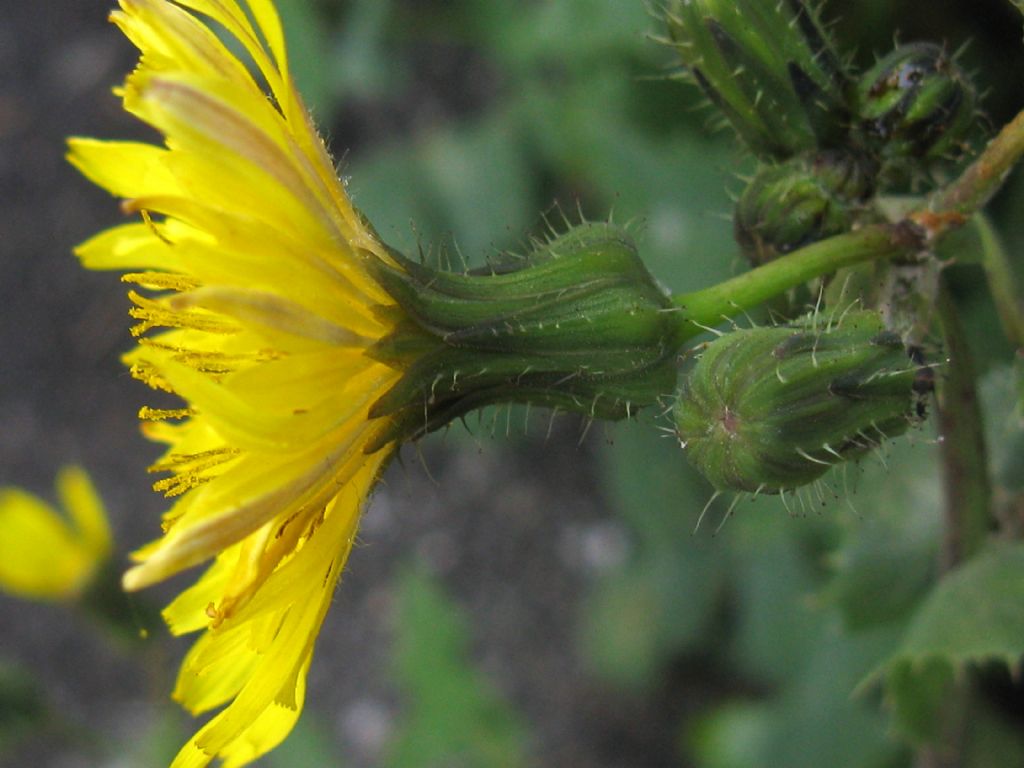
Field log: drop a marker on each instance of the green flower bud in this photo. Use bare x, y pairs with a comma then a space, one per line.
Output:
800, 201
771, 409
769, 67
579, 325
915, 103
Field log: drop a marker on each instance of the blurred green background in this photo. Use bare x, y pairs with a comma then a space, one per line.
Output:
528, 592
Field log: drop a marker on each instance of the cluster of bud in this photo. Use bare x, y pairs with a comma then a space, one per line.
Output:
773, 408
578, 325
770, 69
800, 201
915, 104
829, 139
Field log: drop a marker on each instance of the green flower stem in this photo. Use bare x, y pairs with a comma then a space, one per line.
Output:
947, 209
968, 494
954, 204
1002, 282
709, 306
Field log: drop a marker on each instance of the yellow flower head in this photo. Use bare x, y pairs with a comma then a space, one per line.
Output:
45, 555
250, 257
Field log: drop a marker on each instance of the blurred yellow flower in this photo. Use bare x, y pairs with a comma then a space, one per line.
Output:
251, 257
45, 555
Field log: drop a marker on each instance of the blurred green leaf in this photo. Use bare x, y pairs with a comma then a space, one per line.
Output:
730, 736
453, 716
964, 245
573, 33
973, 615
362, 61
1019, 5
672, 183
471, 184
992, 739
22, 706
813, 721
306, 32
819, 722
1001, 394
663, 601
309, 744
886, 562
162, 735
776, 626
917, 693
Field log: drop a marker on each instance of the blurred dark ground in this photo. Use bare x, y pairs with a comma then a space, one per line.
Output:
516, 530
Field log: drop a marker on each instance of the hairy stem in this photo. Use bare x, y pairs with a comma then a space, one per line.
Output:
968, 494
968, 500
947, 209
957, 202
1002, 283
709, 306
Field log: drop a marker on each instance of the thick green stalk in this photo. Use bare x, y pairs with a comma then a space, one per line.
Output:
709, 306
968, 502
1002, 282
954, 204
968, 494
947, 209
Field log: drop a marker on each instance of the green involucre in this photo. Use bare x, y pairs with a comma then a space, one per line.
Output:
915, 103
798, 202
769, 67
771, 409
579, 325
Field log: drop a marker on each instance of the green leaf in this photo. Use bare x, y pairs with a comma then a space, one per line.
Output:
972, 616
306, 34
662, 601
672, 184
731, 736
818, 722
22, 707
886, 561
309, 743
1019, 4
470, 184
1004, 425
453, 716
812, 721
157, 738
917, 692
362, 61
776, 626
526, 37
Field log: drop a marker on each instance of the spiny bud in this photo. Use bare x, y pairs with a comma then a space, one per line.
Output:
579, 325
915, 103
801, 201
769, 67
771, 409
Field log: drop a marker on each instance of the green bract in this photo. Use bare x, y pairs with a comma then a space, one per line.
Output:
799, 202
771, 409
579, 325
769, 67
915, 103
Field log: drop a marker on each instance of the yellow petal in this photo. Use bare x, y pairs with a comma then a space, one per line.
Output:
79, 497
45, 556
123, 168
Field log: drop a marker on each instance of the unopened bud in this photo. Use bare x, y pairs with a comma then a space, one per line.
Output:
771, 409
801, 201
916, 103
769, 67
